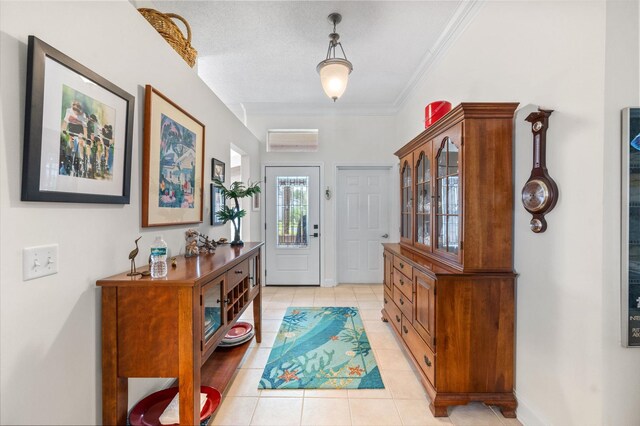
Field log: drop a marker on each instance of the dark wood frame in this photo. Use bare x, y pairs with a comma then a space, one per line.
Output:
33, 126
198, 192
214, 208
214, 163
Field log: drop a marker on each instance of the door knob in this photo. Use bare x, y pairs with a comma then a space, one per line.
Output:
385, 236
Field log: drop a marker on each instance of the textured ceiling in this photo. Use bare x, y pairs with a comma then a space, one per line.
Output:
263, 54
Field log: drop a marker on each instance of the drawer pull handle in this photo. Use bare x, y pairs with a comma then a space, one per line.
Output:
385, 300
401, 301
401, 281
401, 265
427, 361
406, 330
238, 271
397, 318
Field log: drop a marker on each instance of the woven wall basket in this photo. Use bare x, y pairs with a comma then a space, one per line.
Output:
168, 29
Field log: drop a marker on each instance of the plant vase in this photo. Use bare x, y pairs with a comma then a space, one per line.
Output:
237, 241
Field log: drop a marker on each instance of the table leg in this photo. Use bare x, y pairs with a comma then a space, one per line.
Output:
189, 355
114, 388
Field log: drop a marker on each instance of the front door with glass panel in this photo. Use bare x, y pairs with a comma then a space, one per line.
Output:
292, 228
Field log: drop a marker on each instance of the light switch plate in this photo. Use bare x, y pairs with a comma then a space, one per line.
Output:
39, 261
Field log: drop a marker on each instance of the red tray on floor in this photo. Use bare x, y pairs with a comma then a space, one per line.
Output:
147, 412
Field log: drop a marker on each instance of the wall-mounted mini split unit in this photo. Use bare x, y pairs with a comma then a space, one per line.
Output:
292, 140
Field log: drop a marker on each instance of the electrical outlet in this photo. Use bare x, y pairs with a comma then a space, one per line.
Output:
39, 261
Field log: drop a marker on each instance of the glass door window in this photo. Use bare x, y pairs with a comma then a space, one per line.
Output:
423, 201
292, 206
212, 309
407, 201
447, 186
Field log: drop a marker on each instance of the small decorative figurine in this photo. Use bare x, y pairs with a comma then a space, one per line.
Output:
207, 246
191, 248
132, 258
174, 262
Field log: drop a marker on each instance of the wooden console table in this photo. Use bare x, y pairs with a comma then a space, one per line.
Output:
170, 327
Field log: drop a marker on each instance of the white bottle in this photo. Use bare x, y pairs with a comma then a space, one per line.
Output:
158, 258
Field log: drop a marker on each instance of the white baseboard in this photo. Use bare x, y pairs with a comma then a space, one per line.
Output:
329, 282
526, 415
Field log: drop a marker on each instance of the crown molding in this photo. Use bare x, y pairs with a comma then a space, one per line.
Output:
458, 22
309, 109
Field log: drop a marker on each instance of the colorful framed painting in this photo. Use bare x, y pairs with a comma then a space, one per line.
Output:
173, 163
78, 132
630, 227
217, 170
217, 201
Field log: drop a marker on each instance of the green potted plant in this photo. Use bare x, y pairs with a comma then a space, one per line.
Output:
236, 191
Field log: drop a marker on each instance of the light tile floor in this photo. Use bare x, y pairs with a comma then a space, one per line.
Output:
402, 402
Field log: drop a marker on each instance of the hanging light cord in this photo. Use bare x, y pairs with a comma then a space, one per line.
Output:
333, 43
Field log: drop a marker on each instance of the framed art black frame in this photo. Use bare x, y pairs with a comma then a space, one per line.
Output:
87, 158
217, 201
217, 170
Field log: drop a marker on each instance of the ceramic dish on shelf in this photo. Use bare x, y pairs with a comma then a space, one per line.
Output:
235, 342
239, 331
147, 412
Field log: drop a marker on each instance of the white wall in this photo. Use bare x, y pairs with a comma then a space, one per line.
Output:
569, 367
50, 327
343, 139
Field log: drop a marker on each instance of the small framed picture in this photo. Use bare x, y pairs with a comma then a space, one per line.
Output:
255, 202
217, 170
217, 202
78, 132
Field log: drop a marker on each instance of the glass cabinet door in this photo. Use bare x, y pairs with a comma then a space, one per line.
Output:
212, 312
406, 202
423, 197
448, 198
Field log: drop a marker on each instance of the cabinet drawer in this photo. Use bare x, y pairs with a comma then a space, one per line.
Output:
393, 312
237, 274
403, 303
387, 298
403, 267
403, 283
420, 351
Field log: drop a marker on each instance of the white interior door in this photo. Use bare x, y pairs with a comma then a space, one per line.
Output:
363, 223
292, 228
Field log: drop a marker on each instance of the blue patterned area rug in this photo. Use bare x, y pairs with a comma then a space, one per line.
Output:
321, 348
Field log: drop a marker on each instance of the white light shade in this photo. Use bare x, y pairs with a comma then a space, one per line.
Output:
334, 75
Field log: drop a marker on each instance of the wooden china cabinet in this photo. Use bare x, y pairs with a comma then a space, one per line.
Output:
449, 283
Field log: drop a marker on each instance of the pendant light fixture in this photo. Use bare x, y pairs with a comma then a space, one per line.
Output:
334, 72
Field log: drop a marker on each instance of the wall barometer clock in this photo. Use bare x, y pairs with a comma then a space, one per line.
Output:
540, 193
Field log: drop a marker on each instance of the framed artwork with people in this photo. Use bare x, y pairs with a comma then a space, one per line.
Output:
78, 132
173, 163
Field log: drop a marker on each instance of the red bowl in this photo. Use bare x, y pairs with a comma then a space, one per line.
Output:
435, 111
148, 411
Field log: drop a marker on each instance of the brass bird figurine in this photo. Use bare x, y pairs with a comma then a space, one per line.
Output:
132, 257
